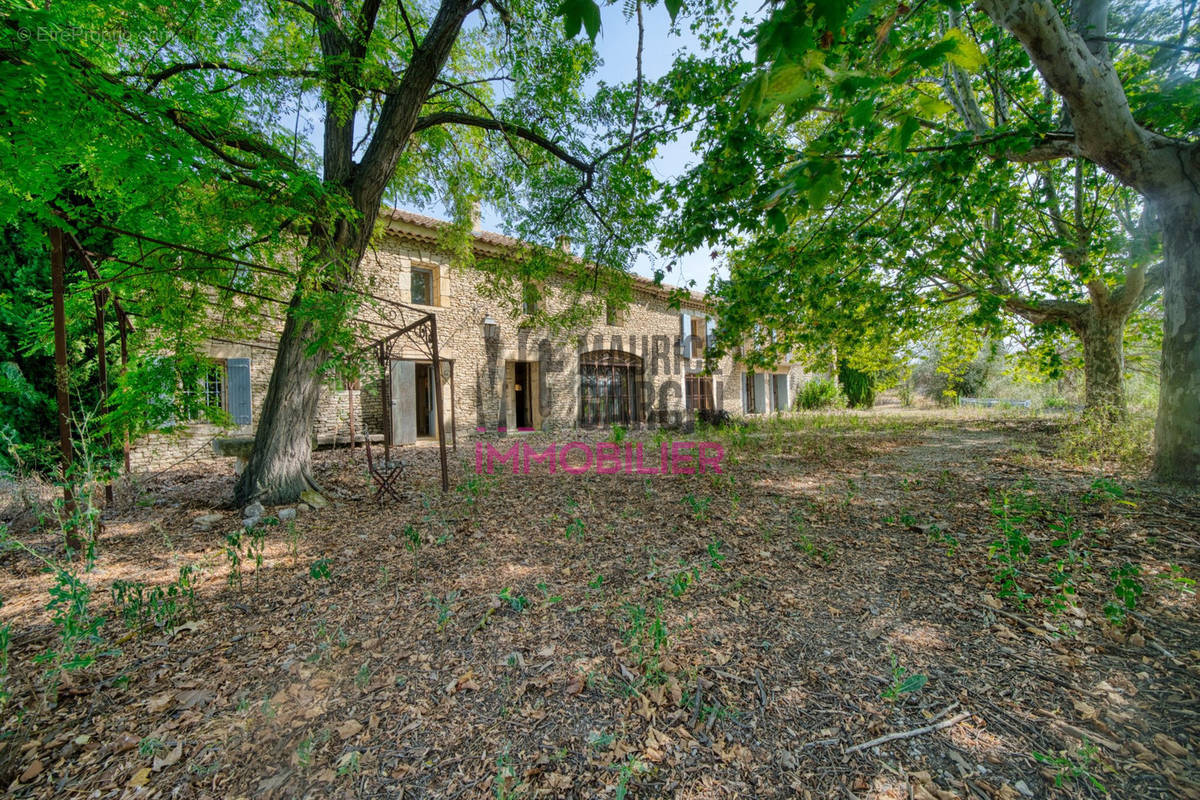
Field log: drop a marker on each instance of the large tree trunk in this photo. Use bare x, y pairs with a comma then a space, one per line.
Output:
1103, 361
1177, 429
279, 468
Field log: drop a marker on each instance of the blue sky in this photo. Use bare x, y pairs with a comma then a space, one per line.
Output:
617, 44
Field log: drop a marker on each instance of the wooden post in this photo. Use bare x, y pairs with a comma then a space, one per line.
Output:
453, 418
58, 289
121, 325
100, 298
350, 401
437, 381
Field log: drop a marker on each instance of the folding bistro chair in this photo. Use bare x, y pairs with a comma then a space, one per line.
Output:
385, 474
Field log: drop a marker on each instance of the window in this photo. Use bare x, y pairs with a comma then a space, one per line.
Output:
608, 393
699, 336
210, 392
699, 391
751, 406
613, 315
213, 393
529, 300
423, 287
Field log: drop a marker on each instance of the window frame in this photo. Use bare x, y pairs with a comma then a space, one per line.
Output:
430, 286
698, 385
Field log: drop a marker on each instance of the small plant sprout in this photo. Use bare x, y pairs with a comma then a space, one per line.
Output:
550, 599
716, 559
412, 539
1070, 767
517, 602
319, 569
1127, 589
698, 506
902, 681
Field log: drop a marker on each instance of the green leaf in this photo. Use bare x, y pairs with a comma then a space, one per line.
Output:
965, 53
673, 7
902, 134
913, 683
580, 13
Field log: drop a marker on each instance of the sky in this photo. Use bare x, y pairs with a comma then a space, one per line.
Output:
617, 46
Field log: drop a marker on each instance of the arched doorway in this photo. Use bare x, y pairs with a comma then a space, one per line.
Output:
609, 388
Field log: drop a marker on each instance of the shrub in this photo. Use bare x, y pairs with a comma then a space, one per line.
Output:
858, 386
817, 393
1096, 440
717, 417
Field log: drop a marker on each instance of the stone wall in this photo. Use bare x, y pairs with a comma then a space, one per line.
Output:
483, 371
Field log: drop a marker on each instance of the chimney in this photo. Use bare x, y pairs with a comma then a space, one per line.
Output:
563, 242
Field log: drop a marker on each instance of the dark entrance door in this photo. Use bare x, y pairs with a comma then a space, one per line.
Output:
522, 395
424, 386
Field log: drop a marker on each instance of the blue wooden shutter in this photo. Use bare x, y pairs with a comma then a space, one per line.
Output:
237, 371
685, 334
710, 332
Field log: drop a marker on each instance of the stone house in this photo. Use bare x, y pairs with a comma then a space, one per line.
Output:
641, 365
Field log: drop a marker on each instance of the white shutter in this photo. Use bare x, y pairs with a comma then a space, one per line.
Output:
780, 394
404, 402
685, 334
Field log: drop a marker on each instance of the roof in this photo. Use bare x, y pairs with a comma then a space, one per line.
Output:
423, 228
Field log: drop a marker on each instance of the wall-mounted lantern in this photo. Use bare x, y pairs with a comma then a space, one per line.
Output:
491, 329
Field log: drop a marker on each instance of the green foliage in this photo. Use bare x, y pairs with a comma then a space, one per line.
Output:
1127, 589
647, 638
1097, 440
869, 179
412, 539
1012, 510
618, 434
319, 570
698, 506
819, 393
162, 607
1070, 767
576, 527
902, 681
858, 386
716, 559
517, 602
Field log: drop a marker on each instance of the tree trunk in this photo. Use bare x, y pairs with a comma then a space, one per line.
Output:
1103, 361
280, 466
1177, 430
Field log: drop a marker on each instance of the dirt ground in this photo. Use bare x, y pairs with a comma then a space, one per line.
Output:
739, 635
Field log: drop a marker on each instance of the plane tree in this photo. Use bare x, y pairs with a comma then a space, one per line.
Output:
866, 124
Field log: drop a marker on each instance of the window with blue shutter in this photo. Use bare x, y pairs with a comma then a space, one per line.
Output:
685, 335
238, 387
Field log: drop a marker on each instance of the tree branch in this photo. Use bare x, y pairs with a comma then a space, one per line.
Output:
1105, 128
493, 124
1042, 311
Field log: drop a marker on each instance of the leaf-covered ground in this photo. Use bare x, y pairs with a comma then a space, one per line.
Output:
618, 636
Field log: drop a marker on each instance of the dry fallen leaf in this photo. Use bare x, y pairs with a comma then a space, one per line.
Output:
1169, 746
170, 758
349, 728
31, 772
139, 778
